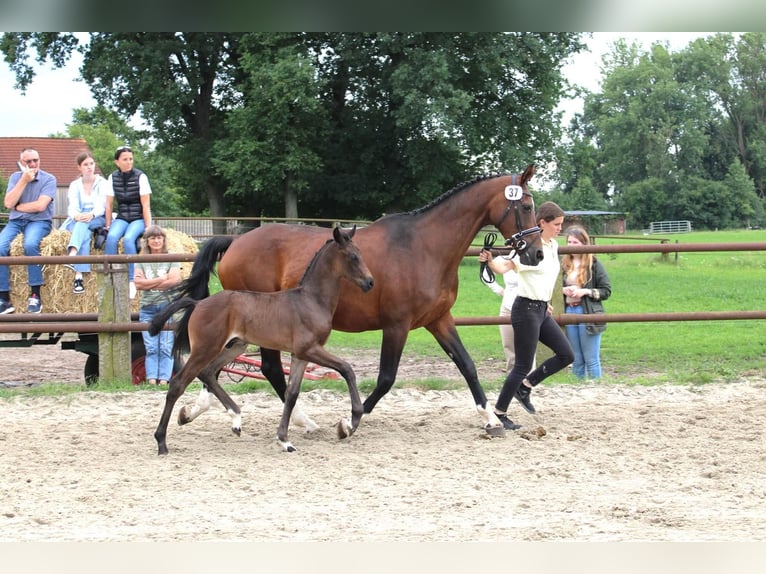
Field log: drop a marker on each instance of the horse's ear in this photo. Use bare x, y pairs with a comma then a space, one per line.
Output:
351, 233
336, 234
528, 173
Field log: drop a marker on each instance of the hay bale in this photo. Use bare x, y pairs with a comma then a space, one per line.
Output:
57, 293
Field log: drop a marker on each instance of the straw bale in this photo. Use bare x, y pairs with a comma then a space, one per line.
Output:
56, 293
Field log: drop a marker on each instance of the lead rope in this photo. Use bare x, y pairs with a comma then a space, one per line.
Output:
485, 273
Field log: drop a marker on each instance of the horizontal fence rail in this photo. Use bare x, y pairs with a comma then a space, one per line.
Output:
25, 323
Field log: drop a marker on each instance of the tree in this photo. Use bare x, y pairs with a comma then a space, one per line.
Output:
400, 117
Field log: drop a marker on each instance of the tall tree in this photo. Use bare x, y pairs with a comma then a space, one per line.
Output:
406, 115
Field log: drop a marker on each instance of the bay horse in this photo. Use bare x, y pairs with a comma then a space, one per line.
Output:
297, 320
414, 257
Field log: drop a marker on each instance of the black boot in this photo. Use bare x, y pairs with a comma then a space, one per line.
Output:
522, 395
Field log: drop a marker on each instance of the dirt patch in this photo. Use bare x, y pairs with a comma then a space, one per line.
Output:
598, 463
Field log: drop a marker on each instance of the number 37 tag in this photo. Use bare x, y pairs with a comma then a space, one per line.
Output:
513, 192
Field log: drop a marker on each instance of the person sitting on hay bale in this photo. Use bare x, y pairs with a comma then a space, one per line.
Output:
57, 288
29, 196
87, 204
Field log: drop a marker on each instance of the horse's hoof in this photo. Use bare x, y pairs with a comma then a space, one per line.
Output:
344, 428
163, 450
290, 448
182, 417
236, 431
495, 430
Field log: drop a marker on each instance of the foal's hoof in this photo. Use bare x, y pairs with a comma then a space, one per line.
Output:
344, 428
183, 418
495, 430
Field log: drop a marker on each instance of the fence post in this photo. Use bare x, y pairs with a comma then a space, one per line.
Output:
113, 348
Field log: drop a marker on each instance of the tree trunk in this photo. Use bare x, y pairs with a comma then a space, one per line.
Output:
291, 199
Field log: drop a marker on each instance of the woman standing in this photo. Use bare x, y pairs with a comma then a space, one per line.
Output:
154, 280
586, 285
508, 292
531, 317
130, 187
86, 205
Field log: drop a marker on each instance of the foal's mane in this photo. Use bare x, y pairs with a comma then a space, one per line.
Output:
448, 194
312, 263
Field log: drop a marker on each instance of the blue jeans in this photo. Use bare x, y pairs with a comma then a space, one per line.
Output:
34, 232
586, 347
80, 240
159, 348
531, 323
129, 233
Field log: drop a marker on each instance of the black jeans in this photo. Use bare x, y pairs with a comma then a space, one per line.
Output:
531, 323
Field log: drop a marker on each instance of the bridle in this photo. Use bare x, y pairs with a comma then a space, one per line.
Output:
514, 193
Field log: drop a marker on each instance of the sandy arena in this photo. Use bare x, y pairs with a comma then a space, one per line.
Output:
598, 463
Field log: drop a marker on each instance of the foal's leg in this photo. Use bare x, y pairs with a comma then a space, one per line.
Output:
321, 356
271, 367
297, 368
178, 384
209, 377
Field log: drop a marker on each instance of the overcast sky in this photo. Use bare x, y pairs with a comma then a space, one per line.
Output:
47, 106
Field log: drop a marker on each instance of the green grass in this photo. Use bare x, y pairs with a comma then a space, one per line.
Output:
687, 352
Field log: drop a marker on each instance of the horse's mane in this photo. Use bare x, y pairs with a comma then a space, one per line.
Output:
312, 263
447, 195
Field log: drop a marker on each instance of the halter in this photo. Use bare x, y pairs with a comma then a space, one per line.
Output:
514, 194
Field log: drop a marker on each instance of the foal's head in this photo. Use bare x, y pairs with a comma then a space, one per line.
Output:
354, 267
347, 260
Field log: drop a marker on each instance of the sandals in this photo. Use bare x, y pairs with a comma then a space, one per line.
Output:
162, 382
151, 381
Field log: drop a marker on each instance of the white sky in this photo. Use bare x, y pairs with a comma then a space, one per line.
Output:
47, 106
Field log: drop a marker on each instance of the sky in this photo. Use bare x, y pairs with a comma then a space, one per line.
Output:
47, 105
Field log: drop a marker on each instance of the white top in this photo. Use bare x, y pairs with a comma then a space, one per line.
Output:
537, 282
143, 185
94, 203
510, 289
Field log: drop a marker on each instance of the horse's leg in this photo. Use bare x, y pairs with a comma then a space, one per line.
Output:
271, 367
178, 384
321, 356
390, 354
446, 335
297, 368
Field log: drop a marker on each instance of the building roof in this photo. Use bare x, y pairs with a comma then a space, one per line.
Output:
57, 156
592, 212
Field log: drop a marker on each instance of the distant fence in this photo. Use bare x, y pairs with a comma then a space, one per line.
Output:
680, 226
24, 323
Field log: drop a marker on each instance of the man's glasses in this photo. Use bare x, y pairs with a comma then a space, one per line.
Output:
122, 149
31, 161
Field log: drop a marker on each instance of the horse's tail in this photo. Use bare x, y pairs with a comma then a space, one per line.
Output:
181, 343
196, 285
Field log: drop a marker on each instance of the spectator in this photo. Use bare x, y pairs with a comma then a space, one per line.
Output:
586, 285
508, 292
130, 187
29, 197
86, 206
155, 280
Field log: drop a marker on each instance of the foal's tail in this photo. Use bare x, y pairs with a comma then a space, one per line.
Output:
181, 343
196, 285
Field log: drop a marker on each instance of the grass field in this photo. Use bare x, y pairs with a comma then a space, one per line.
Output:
652, 352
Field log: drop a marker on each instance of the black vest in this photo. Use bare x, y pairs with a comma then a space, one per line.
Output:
126, 191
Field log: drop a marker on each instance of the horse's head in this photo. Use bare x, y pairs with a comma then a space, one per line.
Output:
354, 267
512, 211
